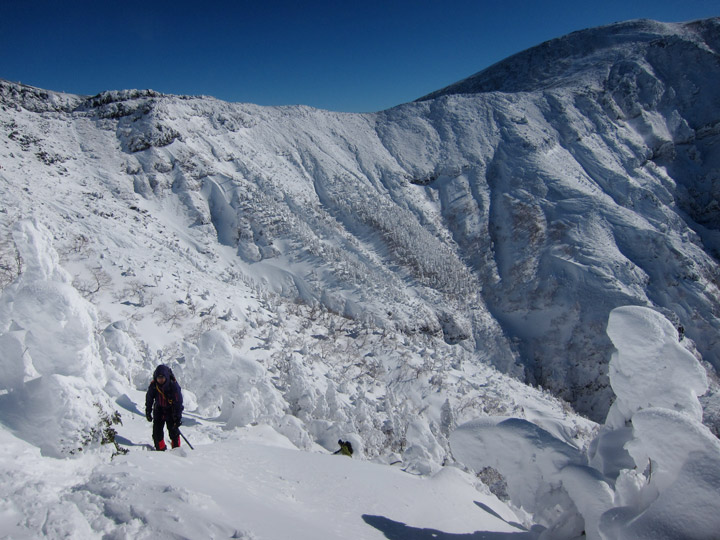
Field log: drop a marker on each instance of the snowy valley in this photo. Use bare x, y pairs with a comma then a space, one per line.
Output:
481, 290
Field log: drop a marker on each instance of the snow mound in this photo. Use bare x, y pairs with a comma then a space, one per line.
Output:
545, 476
505, 444
678, 494
51, 362
651, 368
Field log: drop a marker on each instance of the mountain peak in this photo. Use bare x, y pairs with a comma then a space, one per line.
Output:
586, 56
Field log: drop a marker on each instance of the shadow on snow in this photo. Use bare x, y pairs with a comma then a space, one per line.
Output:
395, 530
494, 513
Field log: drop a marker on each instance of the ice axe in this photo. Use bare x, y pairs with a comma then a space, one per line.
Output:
184, 439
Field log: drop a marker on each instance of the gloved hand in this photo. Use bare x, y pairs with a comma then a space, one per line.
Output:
148, 415
178, 421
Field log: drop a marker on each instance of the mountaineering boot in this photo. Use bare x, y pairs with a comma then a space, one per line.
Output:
161, 446
175, 442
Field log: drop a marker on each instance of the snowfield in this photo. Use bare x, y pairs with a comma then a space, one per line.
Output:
252, 483
446, 284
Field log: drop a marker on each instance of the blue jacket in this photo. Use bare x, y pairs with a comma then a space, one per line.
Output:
164, 400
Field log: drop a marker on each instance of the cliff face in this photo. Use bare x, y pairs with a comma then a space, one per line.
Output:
506, 215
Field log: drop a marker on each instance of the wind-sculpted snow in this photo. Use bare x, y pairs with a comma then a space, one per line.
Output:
646, 360
677, 494
505, 443
668, 483
544, 475
47, 336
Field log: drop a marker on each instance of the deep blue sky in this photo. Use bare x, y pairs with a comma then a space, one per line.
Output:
340, 55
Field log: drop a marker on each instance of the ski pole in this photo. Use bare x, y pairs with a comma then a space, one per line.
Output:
184, 439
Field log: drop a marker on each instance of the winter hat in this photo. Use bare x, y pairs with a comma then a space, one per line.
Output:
162, 371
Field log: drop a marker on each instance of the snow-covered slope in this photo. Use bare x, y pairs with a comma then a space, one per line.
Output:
377, 277
264, 406
605, 187
582, 176
251, 484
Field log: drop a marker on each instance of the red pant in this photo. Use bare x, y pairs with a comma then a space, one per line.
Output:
159, 422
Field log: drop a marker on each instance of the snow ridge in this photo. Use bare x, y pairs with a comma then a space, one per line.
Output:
583, 57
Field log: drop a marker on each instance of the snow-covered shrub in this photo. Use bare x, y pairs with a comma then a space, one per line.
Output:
51, 360
223, 380
423, 452
658, 381
294, 430
105, 432
455, 329
11, 263
123, 353
651, 368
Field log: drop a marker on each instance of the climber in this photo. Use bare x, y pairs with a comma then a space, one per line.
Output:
346, 448
164, 405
